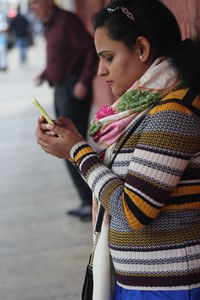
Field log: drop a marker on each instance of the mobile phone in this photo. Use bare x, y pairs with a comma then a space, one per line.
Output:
42, 111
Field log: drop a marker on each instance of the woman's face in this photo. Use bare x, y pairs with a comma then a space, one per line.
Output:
118, 65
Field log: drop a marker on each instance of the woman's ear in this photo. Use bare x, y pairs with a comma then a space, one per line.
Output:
144, 48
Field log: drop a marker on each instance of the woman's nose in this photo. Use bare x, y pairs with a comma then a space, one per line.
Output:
102, 70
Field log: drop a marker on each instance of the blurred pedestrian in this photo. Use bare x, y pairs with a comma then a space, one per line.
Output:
70, 69
20, 26
3, 51
3, 42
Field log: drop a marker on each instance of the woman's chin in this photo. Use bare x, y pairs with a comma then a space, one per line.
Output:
117, 93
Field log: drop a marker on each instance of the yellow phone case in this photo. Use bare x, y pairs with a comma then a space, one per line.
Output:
42, 111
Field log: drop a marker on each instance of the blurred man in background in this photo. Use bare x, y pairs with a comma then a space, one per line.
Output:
70, 68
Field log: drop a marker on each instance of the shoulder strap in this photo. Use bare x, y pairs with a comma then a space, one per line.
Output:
189, 96
185, 101
99, 219
188, 99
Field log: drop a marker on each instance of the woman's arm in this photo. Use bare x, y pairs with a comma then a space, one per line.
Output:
157, 163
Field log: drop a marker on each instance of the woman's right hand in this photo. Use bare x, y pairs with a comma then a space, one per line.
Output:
57, 139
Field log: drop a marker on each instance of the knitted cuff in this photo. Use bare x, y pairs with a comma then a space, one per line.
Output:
79, 150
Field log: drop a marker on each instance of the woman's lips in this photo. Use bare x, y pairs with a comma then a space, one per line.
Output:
109, 82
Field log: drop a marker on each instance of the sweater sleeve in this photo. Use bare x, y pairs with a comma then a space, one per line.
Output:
167, 143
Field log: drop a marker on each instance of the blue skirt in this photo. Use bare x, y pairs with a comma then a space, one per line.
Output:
124, 294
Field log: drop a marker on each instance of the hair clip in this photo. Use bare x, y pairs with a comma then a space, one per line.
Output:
111, 10
123, 9
128, 13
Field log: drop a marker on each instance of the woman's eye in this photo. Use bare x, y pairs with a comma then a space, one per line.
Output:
109, 59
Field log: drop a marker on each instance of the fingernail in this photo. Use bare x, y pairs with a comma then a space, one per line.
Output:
50, 127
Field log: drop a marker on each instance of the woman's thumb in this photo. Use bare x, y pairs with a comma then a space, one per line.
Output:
56, 129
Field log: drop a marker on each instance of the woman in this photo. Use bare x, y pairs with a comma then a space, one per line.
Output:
152, 192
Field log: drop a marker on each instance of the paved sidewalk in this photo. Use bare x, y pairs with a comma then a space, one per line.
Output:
43, 253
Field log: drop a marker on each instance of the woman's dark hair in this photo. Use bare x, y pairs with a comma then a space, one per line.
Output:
153, 20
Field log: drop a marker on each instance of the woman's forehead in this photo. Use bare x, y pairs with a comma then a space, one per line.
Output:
104, 43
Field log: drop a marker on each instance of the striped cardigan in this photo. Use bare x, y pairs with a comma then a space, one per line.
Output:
152, 194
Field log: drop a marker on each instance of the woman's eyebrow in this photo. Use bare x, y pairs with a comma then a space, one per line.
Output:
103, 52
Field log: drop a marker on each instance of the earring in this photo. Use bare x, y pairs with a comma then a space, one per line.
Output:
141, 57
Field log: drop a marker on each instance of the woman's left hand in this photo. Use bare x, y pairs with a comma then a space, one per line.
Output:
58, 139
